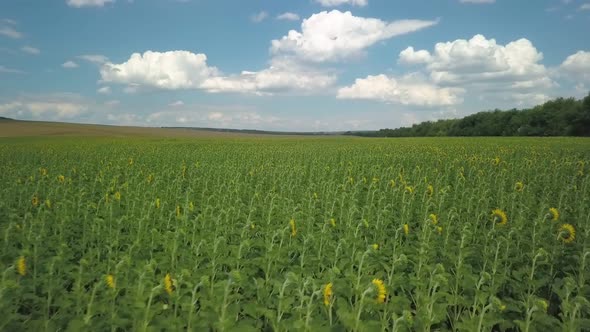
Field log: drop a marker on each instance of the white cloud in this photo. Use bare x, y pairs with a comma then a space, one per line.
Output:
177, 103
335, 35
288, 17
480, 61
30, 50
105, 90
411, 57
112, 103
477, 1
333, 3
585, 6
408, 90
214, 117
88, 3
98, 59
259, 17
45, 109
69, 64
7, 70
164, 70
282, 75
10, 32
577, 66
185, 70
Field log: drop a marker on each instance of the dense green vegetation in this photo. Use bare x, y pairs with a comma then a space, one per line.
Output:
559, 117
295, 234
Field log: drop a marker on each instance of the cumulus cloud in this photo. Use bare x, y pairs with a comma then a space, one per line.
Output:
408, 90
335, 35
88, 3
282, 75
164, 70
288, 17
333, 3
481, 61
185, 70
46, 108
206, 116
30, 50
577, 66
69, 64
584, 6
411, 57
177, 103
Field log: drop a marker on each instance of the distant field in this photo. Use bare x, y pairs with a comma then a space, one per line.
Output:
12, 128
292, 233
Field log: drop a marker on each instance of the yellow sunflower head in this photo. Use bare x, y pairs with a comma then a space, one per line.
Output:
328, 294
434, 218
554, 214
567, 233
333, 222
110, 281
293, 227
499, 217
168, 284
406, 229
35, 201
381, 291
519, 186
21, 266
430, 190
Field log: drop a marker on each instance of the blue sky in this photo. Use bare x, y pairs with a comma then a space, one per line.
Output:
287, 65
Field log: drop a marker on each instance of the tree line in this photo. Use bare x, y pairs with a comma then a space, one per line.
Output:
558, 117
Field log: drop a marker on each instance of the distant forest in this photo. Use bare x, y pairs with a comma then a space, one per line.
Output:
558, 117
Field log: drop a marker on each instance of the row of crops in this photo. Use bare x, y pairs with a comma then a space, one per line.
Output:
295, 234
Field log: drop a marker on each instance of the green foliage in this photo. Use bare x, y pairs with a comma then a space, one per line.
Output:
90, 228
559, 117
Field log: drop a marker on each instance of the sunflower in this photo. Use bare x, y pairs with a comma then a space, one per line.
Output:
118, 196
61, 178
157, 203
406, 229
21, 266
434, 218
168, 284
410, 189
439, 230
333, 222
567, 233
110, 281
375, 246
293, 227
519, 186
499, 216
554, 214
35, 201
430, 190
381, 292
328, 294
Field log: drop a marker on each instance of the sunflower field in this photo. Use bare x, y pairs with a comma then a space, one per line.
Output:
295, 234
